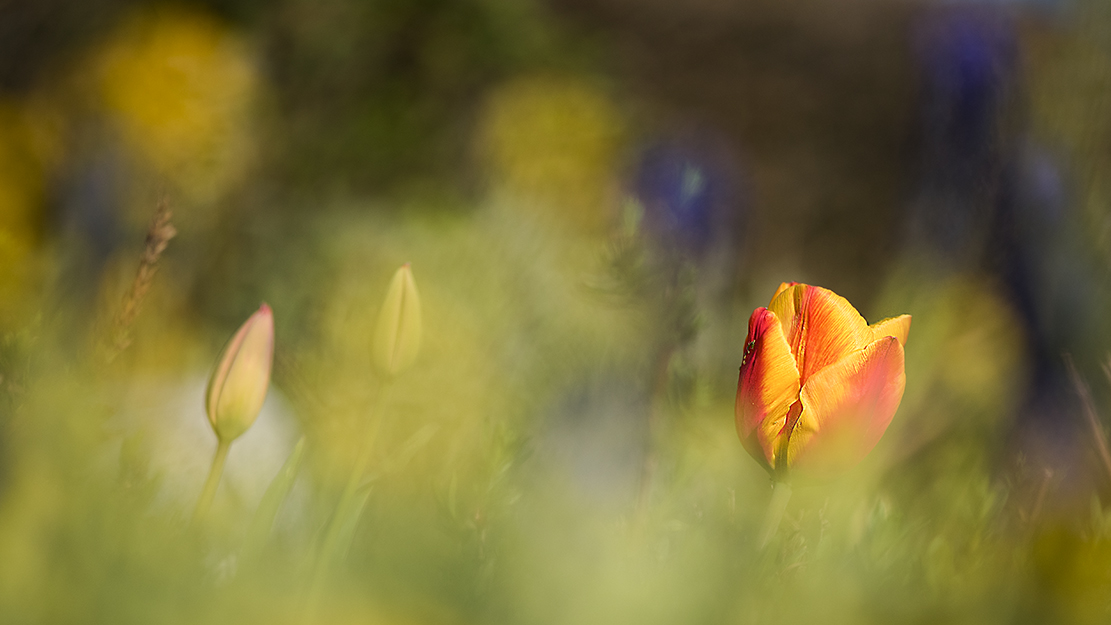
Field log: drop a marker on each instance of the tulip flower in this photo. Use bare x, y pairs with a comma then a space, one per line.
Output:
398, 332
237, 390
397, 337
818, 386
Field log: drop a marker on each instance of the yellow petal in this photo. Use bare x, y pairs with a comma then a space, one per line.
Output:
847, 407
783, 286
898, 327
767, 386
820, 326
397, 335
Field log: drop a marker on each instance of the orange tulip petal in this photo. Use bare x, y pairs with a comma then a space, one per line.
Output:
820, 326
898, 327
848, 406
767, 386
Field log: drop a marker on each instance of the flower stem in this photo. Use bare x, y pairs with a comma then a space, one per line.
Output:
213, 481
781, 494
346, 502
655, 425
350, 504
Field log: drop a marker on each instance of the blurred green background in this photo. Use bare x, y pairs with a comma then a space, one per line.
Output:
594, 196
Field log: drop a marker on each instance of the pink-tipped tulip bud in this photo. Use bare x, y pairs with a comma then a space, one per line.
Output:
398, 333
239, 382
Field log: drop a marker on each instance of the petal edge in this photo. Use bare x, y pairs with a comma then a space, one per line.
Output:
898, 327
848, 406
767, 385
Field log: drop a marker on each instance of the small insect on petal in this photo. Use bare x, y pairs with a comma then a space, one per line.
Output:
768, 384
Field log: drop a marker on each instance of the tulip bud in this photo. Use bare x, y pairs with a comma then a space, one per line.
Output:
238, 384
397, 335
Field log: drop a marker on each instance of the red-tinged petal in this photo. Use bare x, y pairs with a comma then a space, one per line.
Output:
820, 326
847, 407
898, 327
767, 386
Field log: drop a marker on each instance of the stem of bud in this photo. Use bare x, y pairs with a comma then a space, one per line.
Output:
350, 504
213, 481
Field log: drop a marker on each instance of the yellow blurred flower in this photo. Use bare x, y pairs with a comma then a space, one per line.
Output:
21, 175
968, 360
552, 144
22, 183
180, 85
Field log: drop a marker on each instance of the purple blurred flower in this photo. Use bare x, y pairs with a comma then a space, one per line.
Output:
690, 195
968, 59
968, 68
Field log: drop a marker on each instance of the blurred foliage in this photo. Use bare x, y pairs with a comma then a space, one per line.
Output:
563, 448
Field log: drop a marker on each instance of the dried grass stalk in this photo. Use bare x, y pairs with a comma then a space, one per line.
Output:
1099, 437
159, 233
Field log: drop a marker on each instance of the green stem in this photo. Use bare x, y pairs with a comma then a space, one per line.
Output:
263, 521
781, 494
347, 500
656, 417
350, 503
213, 481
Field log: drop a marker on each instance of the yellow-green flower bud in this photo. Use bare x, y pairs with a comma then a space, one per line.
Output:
239, 382
397, 335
